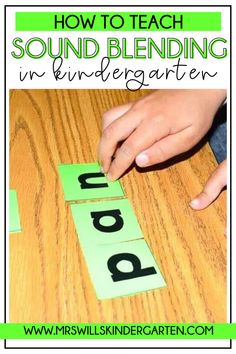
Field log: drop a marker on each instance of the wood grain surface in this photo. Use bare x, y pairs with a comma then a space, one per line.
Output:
49, 281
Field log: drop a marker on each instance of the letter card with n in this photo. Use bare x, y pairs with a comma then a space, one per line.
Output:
86, 181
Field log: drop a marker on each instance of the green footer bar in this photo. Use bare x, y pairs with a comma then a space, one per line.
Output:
118, 331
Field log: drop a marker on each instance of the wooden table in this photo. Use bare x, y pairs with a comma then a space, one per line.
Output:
49, 281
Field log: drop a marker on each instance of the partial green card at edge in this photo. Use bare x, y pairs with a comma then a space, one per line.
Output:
70, 173
97, 261
14, 216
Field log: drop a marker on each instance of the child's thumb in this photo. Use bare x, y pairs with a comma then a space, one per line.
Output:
212, 189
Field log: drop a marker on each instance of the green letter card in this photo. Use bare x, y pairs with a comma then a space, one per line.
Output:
86, 181
105, 222
14, 218
123, 269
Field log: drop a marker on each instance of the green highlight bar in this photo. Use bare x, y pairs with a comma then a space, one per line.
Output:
118, 331
122, 21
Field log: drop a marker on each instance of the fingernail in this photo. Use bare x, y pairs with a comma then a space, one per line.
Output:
194, 203
142, 159
101, 169
109, 176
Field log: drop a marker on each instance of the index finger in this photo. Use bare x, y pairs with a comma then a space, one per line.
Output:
114, 133
115, 113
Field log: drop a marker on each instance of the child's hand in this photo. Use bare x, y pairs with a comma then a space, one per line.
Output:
155, 128
212, 189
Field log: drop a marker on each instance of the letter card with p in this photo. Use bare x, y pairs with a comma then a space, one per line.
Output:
121, 269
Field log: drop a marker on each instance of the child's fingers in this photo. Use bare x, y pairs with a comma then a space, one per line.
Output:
114, 133
166, 148
109, 117
142, 138
114, 113
212, 189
